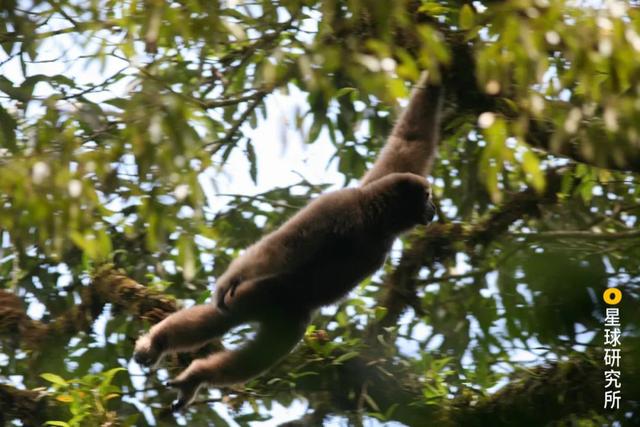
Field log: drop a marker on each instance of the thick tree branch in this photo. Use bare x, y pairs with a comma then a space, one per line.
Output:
437, 241
572, 387
460, 81
111, 285
28, 406
108, 286
565, 388
562, 389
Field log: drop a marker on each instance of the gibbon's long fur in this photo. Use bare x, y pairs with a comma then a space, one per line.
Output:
313, 259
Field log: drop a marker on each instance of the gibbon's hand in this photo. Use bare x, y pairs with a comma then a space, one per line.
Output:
146, 354
187, 391
226, 291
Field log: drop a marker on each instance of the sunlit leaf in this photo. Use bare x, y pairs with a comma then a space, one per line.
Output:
466, 17
53, 378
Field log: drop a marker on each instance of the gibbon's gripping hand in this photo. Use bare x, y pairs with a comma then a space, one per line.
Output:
226, 291
187, 391
145, 353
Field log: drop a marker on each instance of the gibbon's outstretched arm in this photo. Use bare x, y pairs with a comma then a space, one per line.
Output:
313, 259
413, 142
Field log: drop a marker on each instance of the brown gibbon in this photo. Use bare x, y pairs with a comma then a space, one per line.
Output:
313, 259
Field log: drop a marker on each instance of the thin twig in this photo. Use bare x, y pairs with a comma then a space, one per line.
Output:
231, 133
578, 234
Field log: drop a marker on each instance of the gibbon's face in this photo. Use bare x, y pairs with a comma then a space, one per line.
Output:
422, 203
414, 197
429, 208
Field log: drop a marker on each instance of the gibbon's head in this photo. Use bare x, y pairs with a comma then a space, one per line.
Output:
406, 199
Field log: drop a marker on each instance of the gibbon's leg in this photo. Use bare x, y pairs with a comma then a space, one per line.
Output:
411, 147
191, 328
276, 337
182, 331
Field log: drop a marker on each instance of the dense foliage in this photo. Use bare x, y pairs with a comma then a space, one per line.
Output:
118, 119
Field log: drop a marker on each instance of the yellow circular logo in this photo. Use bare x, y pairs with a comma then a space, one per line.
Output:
612, 296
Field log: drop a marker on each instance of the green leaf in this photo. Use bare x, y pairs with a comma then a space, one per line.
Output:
531, 166
347, 356
379, 313
27, 86
586, 190
466, 17
8, 126
493, 157
371, 402
107, 377
202, 297
345, 91
55, 379
342, 319
58, 423
316, 128
432, 8
253, 162
7, 87
118, 102
6, 44
103, 245
186, 257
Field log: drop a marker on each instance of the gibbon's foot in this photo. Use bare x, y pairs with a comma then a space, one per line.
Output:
187, 391
145, 353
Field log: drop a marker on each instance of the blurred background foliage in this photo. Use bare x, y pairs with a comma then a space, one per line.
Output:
117, 118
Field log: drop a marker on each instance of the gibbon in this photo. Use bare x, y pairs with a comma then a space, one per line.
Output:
313, 259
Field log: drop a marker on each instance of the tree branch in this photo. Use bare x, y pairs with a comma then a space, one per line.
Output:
578, 234
108, 286
461, 81
437, 241
256, 100
28, 406
572, 387
562, 389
